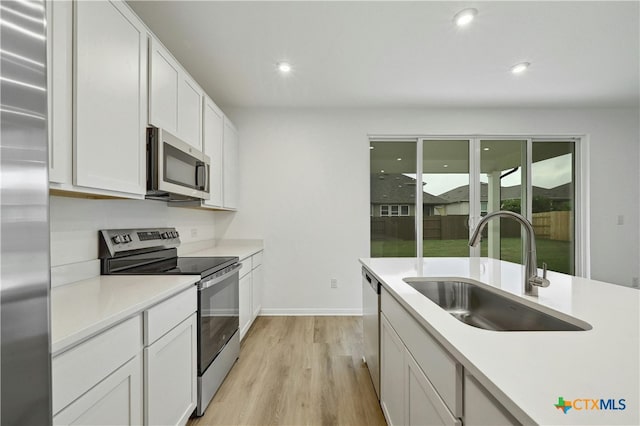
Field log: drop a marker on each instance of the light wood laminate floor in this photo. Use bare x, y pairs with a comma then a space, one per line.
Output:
297, 371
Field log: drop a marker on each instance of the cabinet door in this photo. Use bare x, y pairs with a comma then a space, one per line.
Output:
245, 304
171, 376
392, 374
481, 408
164, 75
110, 109
256, 293
423, 406
117, 400
59, 67
213, 133
231, 170
190, 111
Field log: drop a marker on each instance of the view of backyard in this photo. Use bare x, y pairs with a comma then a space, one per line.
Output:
557, 254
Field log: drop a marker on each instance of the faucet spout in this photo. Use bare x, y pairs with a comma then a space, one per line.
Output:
531, 280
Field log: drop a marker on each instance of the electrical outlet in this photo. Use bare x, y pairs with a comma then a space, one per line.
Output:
635, 282
194, 232
334, 283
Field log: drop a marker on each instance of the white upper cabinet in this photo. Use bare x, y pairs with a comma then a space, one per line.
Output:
212, 138
175, 99
164, 75
60, 82
231, 170
190, 111
110, 102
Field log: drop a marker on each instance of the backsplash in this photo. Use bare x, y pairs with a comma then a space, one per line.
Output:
75, 223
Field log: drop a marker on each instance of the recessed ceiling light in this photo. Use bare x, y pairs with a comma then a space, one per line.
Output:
399, 159
381, 171
370, 147
465, 16
446, 165
485, 149
284, 67
520, 68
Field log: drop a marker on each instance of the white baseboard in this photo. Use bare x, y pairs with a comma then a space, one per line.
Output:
311, 312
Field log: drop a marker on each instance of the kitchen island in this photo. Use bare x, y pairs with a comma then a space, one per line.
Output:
527, 372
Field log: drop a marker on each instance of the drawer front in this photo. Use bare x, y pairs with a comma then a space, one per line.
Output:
245, 267
162, 317
440, 368
77, 370
256, 260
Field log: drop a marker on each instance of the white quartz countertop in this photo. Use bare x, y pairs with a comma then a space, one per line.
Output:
240, 249
528, 371
85, 308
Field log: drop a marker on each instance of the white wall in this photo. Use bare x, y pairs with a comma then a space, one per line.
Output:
75, 223
305, 190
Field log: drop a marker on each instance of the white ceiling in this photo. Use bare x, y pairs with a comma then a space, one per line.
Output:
405, 54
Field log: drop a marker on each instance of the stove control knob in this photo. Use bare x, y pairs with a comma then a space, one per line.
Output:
177, 235
165, 235
126, 238
116, 239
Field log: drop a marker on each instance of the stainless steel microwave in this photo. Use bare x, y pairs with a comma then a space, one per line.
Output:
176, 171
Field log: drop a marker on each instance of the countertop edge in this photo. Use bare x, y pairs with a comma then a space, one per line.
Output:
96, 328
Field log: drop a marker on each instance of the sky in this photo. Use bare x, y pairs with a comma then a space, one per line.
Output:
547, 173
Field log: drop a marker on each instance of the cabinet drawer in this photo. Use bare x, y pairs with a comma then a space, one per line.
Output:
256, 260
161, 318
114, 401
77, 370
440, 368
245, 267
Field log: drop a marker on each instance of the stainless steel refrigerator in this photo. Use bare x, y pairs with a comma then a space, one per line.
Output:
25, 375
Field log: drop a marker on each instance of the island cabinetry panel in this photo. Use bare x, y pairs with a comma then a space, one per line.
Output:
420, 382
481, 408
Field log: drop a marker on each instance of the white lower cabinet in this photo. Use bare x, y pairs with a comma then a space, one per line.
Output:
170, 368
420, 383
392, 386
245, 304
117, 400
256, 290
140, 371
99, 381
481, 408
251, 289
170, 360
407, 396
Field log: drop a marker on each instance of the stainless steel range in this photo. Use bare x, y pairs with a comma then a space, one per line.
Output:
152, 251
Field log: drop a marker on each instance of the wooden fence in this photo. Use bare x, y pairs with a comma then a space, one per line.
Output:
549, 225
553, 225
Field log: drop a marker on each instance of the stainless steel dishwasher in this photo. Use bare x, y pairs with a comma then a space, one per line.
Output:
371, 326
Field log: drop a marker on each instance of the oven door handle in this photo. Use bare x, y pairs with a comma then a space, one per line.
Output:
213, 281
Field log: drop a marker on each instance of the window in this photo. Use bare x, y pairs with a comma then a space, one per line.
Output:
462, 179
394, 210
393, 190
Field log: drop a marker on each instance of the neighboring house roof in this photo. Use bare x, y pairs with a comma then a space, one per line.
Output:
461, 193
396, 188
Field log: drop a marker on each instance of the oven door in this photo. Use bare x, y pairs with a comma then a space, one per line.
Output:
218, 302
179, 167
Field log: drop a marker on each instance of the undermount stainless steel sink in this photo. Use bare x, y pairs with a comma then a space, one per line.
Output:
482, 308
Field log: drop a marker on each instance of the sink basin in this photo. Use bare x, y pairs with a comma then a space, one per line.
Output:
482, 308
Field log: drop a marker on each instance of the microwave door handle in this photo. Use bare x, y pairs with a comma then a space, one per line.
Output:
201, 175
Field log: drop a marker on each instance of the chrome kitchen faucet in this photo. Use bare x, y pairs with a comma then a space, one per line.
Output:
531, 280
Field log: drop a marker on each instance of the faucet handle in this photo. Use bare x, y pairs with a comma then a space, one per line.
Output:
541, 281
